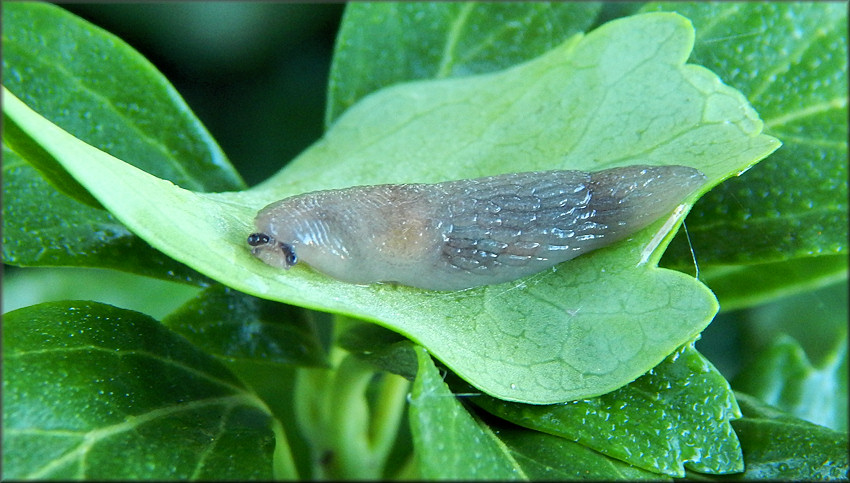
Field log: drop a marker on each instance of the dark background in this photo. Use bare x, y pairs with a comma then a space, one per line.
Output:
254, 73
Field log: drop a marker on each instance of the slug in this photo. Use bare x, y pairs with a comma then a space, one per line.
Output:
461, 234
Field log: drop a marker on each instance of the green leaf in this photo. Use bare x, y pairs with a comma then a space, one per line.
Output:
232, 325
411, 41
43, 227
741, 286
85, 382
790, 60
19, 147
800, 348
782, 376
674, 417
382, 348
545, 457
445, 432
105, 93
630, 99
31, 286
449, 442
96, 87
779, 447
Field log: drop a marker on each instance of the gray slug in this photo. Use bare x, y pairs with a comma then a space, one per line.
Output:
466, 233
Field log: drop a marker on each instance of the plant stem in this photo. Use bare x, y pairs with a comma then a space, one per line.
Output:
348, 440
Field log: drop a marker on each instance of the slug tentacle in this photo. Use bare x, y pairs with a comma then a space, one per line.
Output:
466, 233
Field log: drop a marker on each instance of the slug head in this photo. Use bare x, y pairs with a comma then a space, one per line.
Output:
272, 252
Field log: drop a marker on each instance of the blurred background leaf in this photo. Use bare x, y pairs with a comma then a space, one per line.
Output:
440, 40
778, 446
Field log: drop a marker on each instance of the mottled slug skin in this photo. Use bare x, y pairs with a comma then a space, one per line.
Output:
461, 234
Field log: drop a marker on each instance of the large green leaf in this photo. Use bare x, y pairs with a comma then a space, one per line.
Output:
623, 95
91, 391
790, 60
102, 91
43, 227
742, 286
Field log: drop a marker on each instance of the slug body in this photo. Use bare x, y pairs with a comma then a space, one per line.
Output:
466, 233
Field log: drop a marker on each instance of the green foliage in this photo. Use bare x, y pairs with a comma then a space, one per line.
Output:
130, 387
787, 216
676, 414
543, 363
246, 380
781, 447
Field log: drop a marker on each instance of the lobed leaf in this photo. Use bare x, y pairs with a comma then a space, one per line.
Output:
623, 96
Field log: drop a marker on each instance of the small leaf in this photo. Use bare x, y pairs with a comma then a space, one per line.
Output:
382, 348
806, 377
86, 382
678, 414
825, 312
449, 442
546, 457
580, 343
780, 447
232, 325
